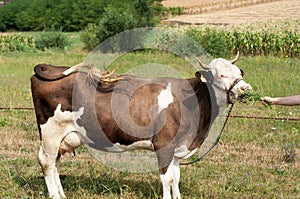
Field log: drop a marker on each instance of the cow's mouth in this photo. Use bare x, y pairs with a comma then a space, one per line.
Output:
241, 95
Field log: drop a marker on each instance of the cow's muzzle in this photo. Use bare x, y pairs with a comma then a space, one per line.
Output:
237, 89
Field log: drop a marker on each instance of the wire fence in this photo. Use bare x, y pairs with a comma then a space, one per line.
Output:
231, 116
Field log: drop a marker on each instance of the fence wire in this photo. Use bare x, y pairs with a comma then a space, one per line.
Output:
231, 116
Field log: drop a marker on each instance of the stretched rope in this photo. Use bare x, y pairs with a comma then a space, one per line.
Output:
217, 140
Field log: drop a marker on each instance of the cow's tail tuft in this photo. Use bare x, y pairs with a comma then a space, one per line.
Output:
94, 73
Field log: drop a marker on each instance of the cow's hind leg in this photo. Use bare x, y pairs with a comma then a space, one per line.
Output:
57, 179
48, 162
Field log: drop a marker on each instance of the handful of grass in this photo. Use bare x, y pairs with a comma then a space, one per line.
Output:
251, 97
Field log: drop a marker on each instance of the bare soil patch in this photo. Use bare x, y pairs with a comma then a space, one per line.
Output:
284, 10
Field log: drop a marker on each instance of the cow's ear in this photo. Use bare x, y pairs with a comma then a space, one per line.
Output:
206, 74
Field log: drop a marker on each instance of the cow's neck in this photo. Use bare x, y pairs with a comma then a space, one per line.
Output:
221, 97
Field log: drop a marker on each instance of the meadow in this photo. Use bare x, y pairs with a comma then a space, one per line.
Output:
254, 159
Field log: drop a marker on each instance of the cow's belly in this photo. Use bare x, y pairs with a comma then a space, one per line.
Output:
184, 152
143, 144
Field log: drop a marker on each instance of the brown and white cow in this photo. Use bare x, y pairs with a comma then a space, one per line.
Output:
169, 116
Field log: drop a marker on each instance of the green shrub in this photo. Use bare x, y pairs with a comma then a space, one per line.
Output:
179, 43
213, 41
116, 19
51, 39
89, 36
15, 42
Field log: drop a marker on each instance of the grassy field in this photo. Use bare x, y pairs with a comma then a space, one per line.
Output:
254, 158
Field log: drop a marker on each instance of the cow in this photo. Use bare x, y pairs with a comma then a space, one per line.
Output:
169, 116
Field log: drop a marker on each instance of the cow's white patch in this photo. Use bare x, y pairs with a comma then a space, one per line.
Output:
144, 144
61, 130
183, 152
165, 98
63, 123
171, 179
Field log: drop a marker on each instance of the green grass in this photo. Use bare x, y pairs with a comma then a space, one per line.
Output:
248, 162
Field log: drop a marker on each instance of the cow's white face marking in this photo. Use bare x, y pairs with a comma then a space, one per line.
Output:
165, 98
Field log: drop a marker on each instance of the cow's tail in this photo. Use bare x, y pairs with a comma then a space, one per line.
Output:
78, 67
94, 73
49, 72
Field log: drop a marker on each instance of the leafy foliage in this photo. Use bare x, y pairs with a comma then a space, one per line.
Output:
70, 15
52, 39
213, 41
117, 18
179, 43
253, 96
15, 42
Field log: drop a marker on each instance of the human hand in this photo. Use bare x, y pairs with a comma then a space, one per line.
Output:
267, 100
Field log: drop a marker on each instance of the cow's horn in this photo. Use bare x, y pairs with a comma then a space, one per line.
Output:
204, 66
236, 57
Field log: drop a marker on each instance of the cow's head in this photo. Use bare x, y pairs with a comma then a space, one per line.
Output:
226, 78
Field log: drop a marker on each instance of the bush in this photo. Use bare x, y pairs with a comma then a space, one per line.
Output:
15, 42
116, 19
214, 41
89, 36
179, 43
52, 39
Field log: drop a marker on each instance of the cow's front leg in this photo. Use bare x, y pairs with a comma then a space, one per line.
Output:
171, 179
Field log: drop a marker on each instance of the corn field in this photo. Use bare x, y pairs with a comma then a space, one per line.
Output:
15, 42
252, 43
